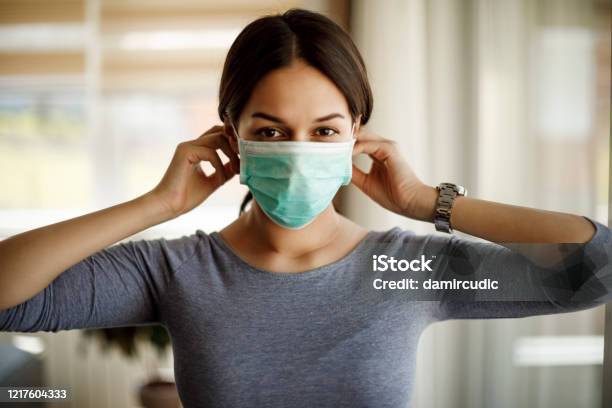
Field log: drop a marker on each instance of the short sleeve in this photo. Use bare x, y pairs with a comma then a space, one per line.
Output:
121, 285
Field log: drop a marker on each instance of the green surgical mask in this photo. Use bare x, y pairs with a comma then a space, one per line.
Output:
293, 182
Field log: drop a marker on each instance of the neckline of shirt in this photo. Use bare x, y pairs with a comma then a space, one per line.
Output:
220, 241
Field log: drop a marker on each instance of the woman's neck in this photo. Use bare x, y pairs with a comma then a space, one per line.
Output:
272, 238
266, 245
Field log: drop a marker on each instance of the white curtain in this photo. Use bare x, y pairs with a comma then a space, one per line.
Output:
507, 98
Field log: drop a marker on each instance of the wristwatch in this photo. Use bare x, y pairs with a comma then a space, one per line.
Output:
447, 192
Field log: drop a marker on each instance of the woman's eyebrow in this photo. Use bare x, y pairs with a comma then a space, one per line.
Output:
330, 116
278, 120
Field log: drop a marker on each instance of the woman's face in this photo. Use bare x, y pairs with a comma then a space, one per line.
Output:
296, 103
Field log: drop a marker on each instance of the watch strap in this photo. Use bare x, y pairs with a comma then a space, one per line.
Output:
447, 192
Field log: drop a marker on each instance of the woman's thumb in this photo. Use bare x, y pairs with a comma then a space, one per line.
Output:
358, 178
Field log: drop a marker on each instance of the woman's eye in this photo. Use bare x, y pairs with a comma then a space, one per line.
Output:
326, 132
269, 132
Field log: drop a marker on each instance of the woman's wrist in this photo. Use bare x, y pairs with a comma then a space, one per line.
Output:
423, 207
154, 209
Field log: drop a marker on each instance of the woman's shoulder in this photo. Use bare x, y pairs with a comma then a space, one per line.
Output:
402, 239
392, 234
173, 251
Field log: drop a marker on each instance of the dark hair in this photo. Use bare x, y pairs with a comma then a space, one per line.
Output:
274, 41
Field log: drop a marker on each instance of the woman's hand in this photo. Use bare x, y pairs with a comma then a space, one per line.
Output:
390, 181
184, 186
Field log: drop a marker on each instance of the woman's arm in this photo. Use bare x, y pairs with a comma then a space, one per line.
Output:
392, 183
498, 222
546, 262
582, 280
30, 261
122, 285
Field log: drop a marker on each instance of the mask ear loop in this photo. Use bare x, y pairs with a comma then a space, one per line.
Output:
353, 135
232, 125
235, 131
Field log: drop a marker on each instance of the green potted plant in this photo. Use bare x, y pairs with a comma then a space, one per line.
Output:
155, 392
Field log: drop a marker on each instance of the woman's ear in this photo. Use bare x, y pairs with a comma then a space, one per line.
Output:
228, 131
357, 126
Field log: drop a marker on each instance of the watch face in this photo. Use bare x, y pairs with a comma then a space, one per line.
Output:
460, 190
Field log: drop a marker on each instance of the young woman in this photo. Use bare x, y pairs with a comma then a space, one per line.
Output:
280, 308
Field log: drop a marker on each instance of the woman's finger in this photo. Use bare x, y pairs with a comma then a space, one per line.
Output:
217, 182
366, 134
358, 178
231, 155
216, 162
213, 129
380, 150
217, 140
195, 154
211, 138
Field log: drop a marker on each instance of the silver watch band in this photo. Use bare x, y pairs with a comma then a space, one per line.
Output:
447, 192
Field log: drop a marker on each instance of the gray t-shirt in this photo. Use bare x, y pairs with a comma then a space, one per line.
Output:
247, 337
